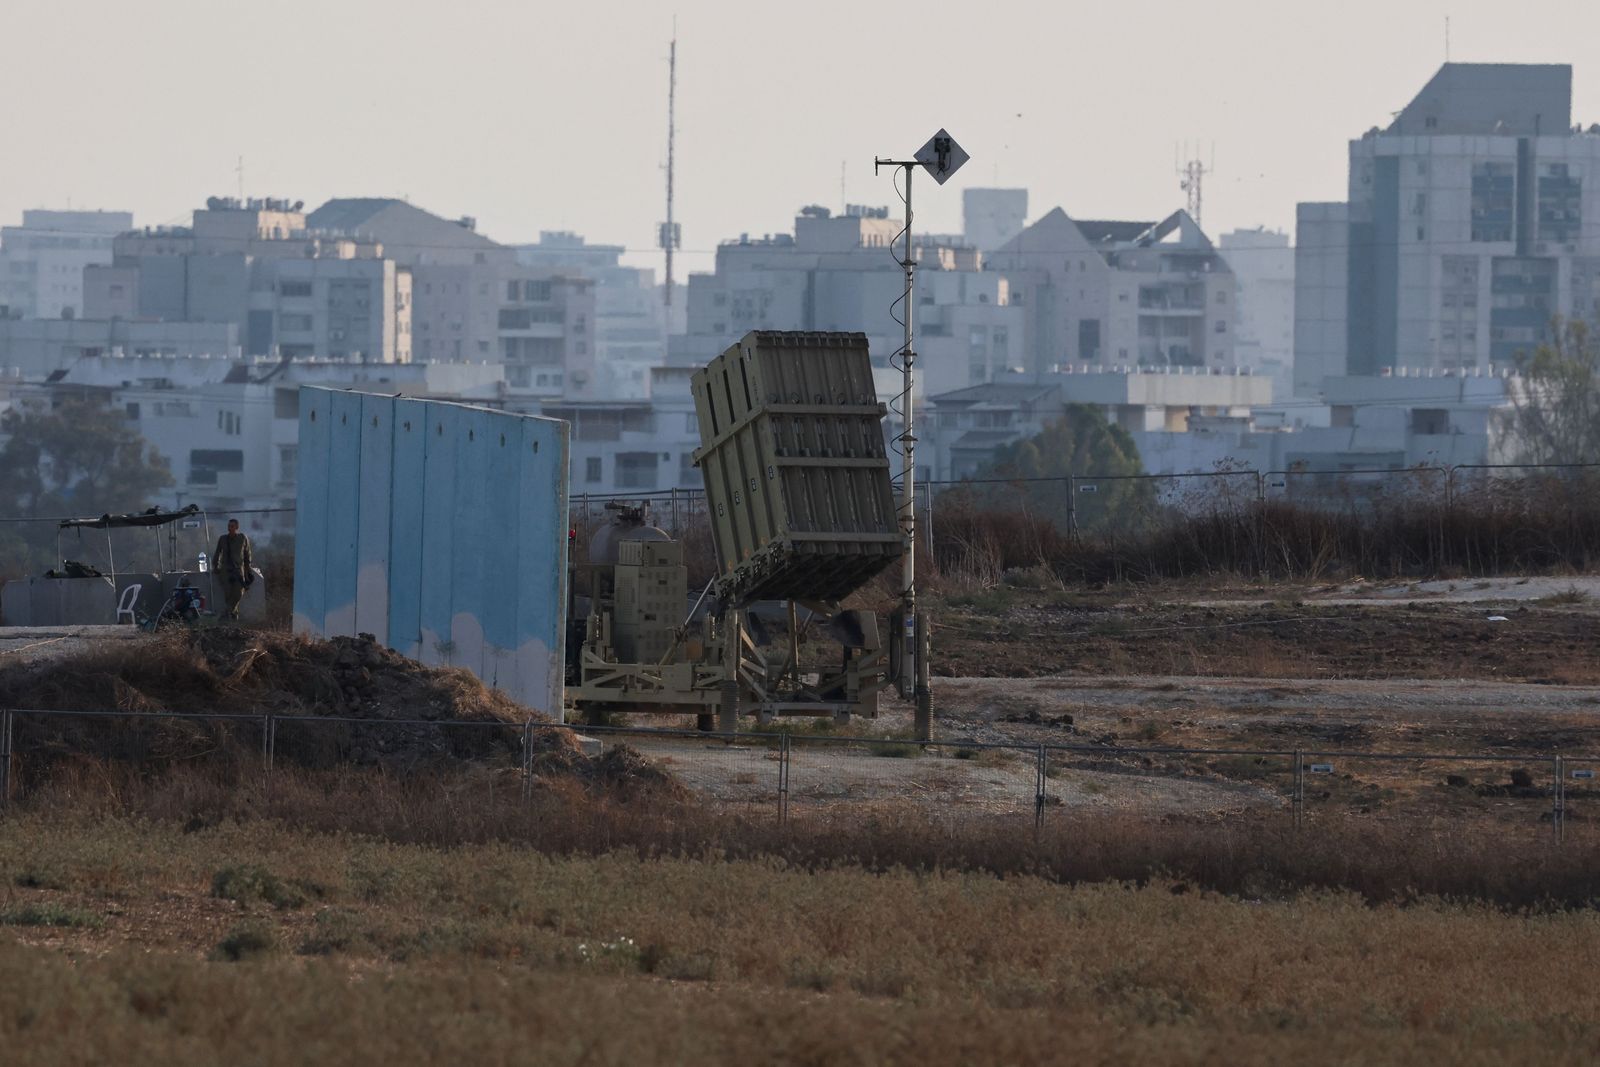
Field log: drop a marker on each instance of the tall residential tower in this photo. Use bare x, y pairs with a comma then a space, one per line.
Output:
1472, 220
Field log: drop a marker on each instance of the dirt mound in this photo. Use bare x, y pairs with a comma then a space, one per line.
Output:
236, 671
402, 714
619, 769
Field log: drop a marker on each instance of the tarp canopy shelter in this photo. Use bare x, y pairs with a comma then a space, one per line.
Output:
151, 518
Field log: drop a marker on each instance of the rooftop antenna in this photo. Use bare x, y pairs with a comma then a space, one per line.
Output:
670, 236
844, 200
1191, 179
239, 170
1447, 38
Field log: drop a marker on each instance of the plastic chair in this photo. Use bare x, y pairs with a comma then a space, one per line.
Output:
130, 597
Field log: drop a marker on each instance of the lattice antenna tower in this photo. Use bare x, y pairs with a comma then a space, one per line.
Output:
1191, 179
670, 235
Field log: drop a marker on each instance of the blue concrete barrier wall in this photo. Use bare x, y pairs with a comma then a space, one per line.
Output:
440, 529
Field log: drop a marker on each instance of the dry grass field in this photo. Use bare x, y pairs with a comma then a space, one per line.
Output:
138, 941
163, 900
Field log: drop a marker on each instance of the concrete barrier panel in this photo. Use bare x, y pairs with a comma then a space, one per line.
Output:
440, 529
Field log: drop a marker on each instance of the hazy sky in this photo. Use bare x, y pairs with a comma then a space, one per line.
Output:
535, 116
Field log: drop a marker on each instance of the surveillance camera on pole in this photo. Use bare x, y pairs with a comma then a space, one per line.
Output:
941, 157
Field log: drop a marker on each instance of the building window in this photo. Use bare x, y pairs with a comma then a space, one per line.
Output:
1493, 201
294, 288
636, 470
206, 463
592, 469
1089, 341
133, 410
1560, 203
288, 464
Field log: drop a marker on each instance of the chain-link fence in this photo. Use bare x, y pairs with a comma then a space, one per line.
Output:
1011, 787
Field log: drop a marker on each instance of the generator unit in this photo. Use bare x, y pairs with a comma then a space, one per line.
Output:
802, 515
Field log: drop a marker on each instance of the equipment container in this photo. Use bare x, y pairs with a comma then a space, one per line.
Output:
796, 474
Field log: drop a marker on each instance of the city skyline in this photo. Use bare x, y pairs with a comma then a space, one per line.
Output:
516, 128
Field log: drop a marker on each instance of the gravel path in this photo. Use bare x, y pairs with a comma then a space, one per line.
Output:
34, 644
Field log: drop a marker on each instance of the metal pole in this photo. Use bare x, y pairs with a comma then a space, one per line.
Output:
732, 652
1556, 789
527, 760
923, 697
783, 779
211, 564
5, 758
1297, 803
908, 471
927, 500
1041, 770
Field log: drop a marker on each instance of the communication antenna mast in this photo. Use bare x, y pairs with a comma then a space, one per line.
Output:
670, 236
941, 157
1191, 178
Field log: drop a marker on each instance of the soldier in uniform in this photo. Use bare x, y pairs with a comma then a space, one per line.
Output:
232, 562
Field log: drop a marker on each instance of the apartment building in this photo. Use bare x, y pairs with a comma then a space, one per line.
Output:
629, 333
1472, 220
1263, 308
229, 428
474, 301
42, 260
255, 265
1134, 293
840, 272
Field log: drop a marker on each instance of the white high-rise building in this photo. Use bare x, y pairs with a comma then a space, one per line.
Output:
1473, 220
1263, 311
991, 217
42, 261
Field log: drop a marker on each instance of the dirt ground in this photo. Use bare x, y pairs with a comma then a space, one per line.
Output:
828, 778
1502, 641
1509, 669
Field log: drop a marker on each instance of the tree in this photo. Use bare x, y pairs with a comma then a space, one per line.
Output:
1084, 445
1556, 402
79, 459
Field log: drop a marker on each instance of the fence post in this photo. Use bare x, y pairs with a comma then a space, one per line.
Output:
783, 778
269, 742
5, 757
527, 760
1040, 779
1297, 802
1072, 506
1558, 790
